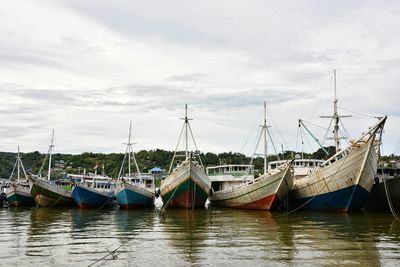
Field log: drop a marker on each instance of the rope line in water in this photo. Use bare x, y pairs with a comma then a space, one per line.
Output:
165, 205
110, 253
390, 201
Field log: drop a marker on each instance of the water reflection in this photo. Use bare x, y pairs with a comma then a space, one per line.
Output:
59, 236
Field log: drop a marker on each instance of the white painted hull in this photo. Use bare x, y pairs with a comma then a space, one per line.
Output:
351, 177
265, 192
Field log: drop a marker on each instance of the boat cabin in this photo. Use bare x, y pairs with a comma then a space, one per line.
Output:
301, 167
146, 179
229, 175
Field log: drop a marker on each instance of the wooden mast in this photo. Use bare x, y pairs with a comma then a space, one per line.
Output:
50, 153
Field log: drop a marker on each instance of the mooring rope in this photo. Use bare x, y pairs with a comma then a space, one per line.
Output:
165, 205
390, 200
110, 253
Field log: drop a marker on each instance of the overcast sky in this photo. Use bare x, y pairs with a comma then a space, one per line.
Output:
86, 68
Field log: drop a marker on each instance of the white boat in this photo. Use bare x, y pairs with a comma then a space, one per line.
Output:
187, 185
343, 181
265, 192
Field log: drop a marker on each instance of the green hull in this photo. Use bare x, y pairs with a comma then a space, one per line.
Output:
48, 198
186, 195
18, 200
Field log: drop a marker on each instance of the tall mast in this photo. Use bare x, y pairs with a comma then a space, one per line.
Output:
336, 117
129, 149
18, 164
264, 129
129, 152
185, 130
186, 133
263, 134
50, 153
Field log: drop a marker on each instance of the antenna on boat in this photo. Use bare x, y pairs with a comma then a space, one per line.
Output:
336, 118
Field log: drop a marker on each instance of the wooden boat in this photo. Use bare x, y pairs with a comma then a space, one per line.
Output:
133, 195
186, 186
51, 193
48, 193
94, 191
19, 194
133, 191
265, 192
343, 181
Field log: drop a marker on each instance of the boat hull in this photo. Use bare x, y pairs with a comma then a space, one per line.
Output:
264, 193
19, 196
86, 197
343, 185
186, 187
48, 195
378, 200
130, 196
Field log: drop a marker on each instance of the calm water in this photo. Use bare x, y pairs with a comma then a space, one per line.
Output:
219, 237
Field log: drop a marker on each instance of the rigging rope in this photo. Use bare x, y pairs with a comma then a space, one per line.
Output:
251, 131
327, 132
279, 132
358, 113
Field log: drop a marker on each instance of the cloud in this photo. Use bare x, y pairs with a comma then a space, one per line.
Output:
88, 67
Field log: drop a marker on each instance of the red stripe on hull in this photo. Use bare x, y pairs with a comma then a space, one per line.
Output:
185, 201
266, 203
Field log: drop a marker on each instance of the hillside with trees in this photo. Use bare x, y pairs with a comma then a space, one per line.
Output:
147, 159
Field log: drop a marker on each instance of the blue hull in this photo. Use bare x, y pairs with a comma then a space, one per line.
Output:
85, 198
128, 199
347, 199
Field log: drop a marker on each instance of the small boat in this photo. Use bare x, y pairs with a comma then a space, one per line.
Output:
343, 181
19, 193
265, 192
187, 186
93, 191
133, 191
47, 192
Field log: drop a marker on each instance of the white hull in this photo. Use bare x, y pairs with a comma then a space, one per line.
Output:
264, 192
18, 188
